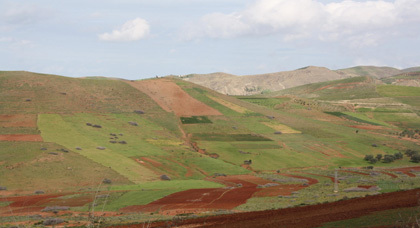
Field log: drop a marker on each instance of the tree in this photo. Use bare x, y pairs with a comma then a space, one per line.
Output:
398, 155
415, 158
368, 157
373, 161
388, 158
379, 157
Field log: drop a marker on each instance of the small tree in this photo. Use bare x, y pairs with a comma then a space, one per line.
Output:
368, 157
388, 158
415, 158
398, 155
379, 157
373, 161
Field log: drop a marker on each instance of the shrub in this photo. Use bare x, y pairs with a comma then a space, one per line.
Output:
368, 157
374, 145
97, 126
88, 124
388, 158
133, 123
139, 111
78, 148
53, 153
248, 162
415, 158
398, 155
277, 133
106, 181
55, 208
122, 142
379, 157
39, 192
52, 221
100, 148
2, 188
165, 177
373, 161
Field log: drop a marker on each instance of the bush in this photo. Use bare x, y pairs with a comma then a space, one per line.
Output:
133, 123
388, 158
368, 157
52, 221
55, 208
415, 158
379, 157
107, 181
100, 148
2, 188
165, 177
97, 126
398, 155
39, 192
373, 161
139, 111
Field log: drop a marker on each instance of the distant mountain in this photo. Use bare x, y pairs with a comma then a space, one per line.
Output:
372, 71
256, 84
262, 83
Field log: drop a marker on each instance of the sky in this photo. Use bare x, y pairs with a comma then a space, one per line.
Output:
136, 39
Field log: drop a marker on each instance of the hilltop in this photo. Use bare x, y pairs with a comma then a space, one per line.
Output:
263, 83
115, 151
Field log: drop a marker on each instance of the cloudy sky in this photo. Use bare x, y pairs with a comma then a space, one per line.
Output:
137, 39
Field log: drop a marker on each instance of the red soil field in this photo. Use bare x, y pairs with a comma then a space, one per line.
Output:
240, 189
26, 138
308, 216
172, 98
18, 120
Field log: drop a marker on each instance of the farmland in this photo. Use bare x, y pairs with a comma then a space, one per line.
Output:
130, 148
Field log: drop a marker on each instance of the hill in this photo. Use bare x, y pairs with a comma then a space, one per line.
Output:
105, 148
264, 83
256, 84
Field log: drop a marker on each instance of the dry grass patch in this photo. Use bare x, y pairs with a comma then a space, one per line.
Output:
230, 105
282, 128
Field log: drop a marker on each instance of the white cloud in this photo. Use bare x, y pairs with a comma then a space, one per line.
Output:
346, 21
130, 31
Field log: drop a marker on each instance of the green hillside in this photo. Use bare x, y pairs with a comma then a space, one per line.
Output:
60, 134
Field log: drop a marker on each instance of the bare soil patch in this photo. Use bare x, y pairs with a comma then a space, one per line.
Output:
367, 127
18, 120
21, 137
239, 189
172, 98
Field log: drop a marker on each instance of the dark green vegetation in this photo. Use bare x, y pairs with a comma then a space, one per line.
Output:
195, 120
315, 127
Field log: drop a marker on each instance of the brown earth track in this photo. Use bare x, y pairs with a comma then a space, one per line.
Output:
311, 181
21, 137
308, 216
407, 170
172, 98
389, 174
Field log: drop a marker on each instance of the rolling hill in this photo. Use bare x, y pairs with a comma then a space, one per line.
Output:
112, 151
263, 83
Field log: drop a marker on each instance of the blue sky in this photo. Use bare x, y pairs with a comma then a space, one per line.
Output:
137, 39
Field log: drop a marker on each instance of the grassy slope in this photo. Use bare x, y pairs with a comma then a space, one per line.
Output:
321, 139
